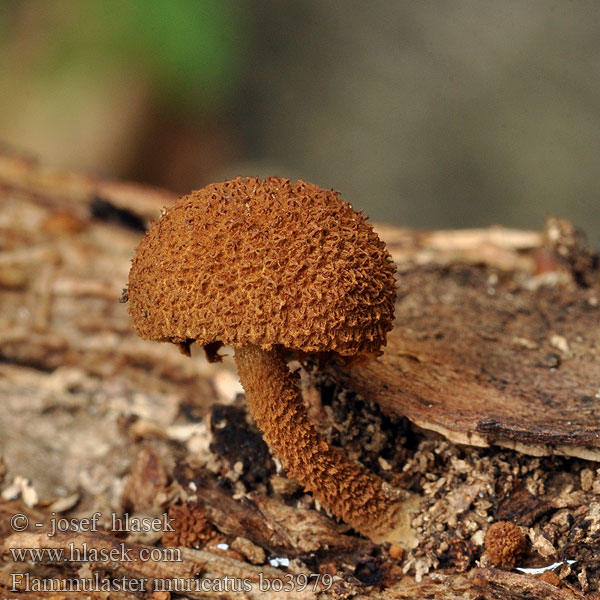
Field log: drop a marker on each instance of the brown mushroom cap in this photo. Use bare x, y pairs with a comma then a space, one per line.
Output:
265, 262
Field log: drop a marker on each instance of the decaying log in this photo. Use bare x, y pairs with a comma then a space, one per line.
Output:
485, 359
495, 347
512, 586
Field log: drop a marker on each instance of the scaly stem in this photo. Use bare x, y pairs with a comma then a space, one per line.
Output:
347, 489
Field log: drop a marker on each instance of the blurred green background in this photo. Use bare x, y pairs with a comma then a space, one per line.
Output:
430, 114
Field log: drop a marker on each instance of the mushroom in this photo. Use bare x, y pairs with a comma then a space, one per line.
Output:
269, 266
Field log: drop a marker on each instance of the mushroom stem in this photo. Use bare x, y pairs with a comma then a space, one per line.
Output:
347, 489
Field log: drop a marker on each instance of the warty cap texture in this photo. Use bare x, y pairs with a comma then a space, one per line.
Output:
266, 262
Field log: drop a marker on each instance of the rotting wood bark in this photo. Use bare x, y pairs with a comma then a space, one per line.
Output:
486, 359
495, 330
272, 525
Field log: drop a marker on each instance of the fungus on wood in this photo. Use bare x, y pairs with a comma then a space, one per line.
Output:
270, 266
504, 544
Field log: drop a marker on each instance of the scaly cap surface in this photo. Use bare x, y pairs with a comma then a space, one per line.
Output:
266, 262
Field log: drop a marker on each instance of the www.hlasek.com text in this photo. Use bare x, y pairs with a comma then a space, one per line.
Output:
84, 553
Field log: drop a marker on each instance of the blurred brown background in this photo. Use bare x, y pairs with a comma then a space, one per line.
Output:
429, 114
